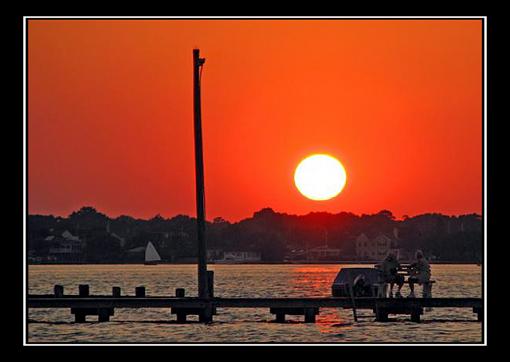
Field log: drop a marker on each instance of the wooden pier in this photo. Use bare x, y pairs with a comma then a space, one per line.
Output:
103, 306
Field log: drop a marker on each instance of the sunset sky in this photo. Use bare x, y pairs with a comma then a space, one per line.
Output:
110, 116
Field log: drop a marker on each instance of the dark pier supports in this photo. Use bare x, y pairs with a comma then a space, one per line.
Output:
180, 312
83, 290
140, 292
80, 314
103, 314
205, 315
309, 313
383, 309
58, 290
479, 312
381, 314
84, 304
415, 314
280, 316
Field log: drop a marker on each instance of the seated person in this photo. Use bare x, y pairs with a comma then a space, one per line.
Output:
420, 272
389, 268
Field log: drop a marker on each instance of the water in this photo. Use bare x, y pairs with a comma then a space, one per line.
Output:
244, 325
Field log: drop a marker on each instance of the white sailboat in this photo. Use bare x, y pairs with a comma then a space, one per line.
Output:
151, 255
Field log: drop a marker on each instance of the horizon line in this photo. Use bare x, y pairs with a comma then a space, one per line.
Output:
263, 208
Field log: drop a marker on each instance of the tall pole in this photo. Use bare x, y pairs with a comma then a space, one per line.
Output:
199, 176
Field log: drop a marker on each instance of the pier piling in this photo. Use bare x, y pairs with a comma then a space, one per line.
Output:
58, 291
83, 290
479, 312
103, 315
140, 292
210, 283
205, 315
280, 317
381, 314
181, 317
79, 316
415, 315
385, 306
204, 312
308, 312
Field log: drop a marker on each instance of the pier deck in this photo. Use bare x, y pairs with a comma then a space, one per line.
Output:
104, 305
49, 301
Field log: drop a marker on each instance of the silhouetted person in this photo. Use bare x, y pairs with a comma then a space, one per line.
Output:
420, 272
389, 267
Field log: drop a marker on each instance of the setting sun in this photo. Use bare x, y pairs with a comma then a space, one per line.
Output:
320, 177
163, 151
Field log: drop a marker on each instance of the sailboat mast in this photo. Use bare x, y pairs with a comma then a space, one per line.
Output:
199, 176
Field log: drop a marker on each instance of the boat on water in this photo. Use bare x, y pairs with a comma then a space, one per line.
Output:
357, 282
151, 255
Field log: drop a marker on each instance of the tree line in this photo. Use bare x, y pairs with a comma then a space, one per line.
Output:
274, 235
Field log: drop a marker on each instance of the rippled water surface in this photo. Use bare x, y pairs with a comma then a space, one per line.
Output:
243, 325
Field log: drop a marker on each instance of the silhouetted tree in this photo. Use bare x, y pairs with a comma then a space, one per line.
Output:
268, 232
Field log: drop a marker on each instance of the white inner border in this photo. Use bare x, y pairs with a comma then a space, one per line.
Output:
25, 23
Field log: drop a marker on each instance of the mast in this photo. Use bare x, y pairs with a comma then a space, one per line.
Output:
199, 176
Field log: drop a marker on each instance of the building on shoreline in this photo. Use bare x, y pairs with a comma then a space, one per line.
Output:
65, 247
375, 248
220, 256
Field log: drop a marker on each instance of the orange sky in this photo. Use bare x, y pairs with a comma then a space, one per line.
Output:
110, 122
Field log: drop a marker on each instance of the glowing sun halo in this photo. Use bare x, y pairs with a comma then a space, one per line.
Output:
320, 177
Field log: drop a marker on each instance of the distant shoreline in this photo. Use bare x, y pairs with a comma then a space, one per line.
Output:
264, 263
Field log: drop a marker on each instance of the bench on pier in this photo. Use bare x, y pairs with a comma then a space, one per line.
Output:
383, 289
309, 313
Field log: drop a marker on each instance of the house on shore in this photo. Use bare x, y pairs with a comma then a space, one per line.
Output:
236, 256
375, 248
324, 253
65, 248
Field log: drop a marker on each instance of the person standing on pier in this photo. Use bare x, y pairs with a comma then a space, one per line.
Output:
420, 272
390, 266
